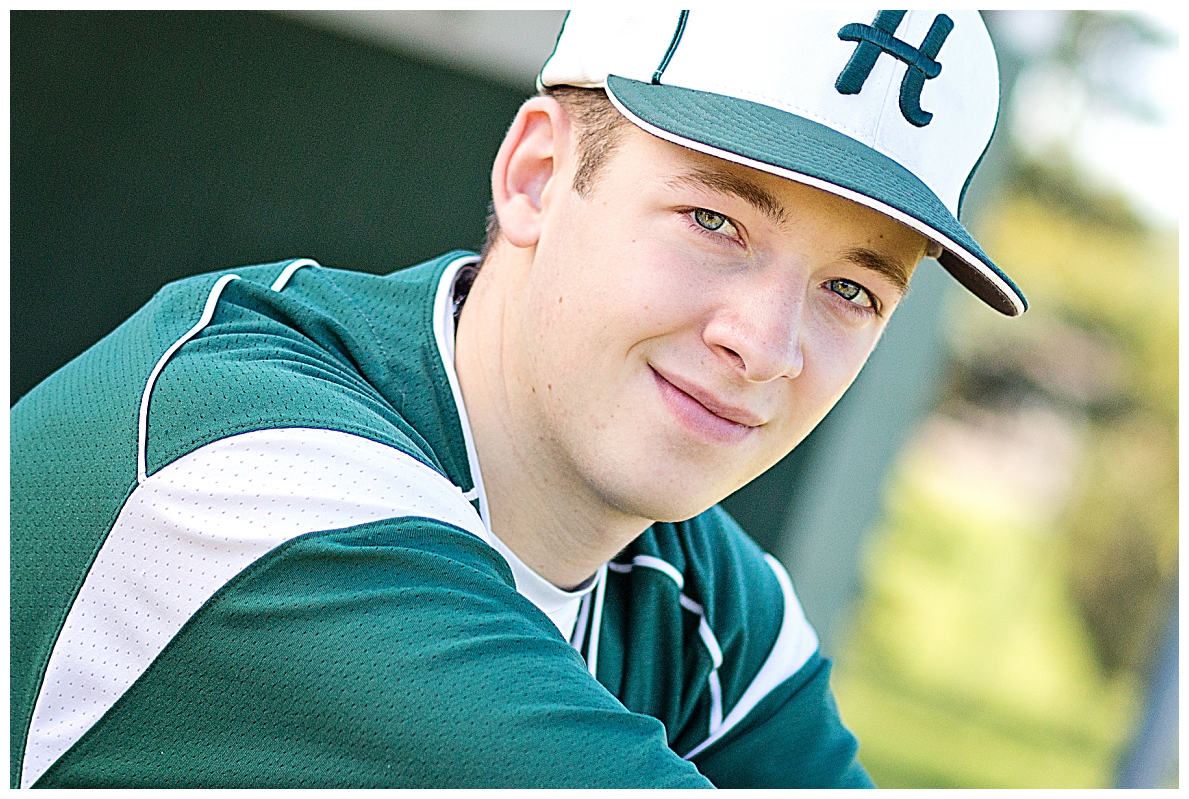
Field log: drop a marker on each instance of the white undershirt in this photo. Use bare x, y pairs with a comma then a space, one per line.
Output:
560, 606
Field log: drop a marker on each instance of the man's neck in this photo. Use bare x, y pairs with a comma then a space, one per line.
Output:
538, 503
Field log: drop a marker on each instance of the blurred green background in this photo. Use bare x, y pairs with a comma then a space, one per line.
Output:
151, 146
984, 531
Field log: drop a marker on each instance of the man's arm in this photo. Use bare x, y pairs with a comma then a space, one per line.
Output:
395, 653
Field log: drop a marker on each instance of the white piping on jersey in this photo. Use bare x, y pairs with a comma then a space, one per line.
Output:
208, 311
596, 624
580, 625
283, 279
191, 527
794, 645
650, 562
704, 631
715, 701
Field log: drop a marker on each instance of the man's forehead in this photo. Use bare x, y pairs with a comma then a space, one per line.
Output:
680, 166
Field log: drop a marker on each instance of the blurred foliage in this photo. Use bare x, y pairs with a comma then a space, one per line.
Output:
968, 666
1103, 47
1102, 340
1010, 618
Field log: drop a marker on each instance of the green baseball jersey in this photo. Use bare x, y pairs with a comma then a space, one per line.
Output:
250, 547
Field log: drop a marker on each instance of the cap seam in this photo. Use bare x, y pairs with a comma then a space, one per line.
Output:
671, 50
877, 129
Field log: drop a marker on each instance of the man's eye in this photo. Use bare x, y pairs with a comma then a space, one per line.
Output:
852, 292
716, 223
709, 219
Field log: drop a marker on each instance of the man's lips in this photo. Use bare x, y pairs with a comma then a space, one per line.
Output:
705, 412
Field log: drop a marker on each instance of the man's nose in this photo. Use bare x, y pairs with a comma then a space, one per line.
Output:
759, 333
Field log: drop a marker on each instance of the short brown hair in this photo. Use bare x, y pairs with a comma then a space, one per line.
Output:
598, 125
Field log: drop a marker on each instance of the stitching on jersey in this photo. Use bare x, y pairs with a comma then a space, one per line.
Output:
376, 339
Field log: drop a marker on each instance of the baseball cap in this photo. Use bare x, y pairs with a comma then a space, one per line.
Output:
889, 109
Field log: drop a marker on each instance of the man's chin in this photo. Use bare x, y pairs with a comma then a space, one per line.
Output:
649, 506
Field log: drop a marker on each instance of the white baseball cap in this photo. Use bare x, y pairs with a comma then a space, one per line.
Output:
889, 109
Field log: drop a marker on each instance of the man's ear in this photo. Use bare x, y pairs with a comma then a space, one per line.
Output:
529, 167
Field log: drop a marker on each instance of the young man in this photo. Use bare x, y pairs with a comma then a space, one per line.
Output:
295, 526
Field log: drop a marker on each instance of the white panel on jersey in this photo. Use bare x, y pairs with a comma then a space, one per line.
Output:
190, 528
795, 644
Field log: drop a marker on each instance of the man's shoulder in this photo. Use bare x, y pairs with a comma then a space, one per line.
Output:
745, 592
329, 349
766, 700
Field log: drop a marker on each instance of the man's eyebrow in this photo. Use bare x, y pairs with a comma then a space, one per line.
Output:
895, 271
725, 182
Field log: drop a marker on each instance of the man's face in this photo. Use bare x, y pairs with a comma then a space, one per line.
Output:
688, 322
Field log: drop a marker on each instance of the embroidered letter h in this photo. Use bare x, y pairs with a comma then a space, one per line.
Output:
875, 40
